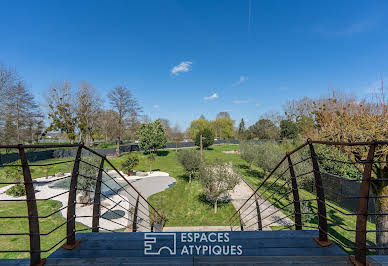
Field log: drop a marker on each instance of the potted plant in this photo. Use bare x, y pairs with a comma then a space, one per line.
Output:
130, 162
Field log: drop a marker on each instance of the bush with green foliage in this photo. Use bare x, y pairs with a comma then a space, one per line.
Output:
267, 155
17, 190
248, 153
103, 145
129, 163
207, 138
346, 170
190, 160
288, 129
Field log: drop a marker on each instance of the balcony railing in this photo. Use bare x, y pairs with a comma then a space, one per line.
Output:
92, 180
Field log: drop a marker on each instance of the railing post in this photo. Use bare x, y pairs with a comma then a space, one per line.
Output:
241, 223
71, 242
322, 240
295, 194
134, 222
259, 223
362, 208
33, 220
97, 199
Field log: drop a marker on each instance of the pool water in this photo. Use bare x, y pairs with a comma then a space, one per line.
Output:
106, 187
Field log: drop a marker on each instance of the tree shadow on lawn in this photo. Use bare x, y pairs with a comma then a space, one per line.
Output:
220, 203
251, 172
162, 153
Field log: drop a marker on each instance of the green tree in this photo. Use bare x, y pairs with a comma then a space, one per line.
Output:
223, 126
207, 138
190, 160
198, 125
288, 129
264, 129
217, 179
152, 136
242, 130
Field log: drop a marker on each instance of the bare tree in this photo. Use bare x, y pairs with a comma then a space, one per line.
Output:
127, 108
62, 110
21, 112
107, 124
176, 135
88, 106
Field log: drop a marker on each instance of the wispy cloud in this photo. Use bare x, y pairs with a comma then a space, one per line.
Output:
241, 101
156, 106
184, 66
257, 105
350, 29
241, 80
211, 97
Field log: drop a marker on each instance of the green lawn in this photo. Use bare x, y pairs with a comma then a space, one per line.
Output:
184, 204
336, 233
21, 226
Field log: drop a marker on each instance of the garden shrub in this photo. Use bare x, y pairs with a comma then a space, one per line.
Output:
346, 170
190, 160
129, 163
17, 190
247, 152
268, 155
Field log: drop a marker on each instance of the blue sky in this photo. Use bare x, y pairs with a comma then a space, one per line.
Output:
182, 59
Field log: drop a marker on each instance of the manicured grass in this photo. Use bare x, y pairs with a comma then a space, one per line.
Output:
336, 219
20, 225
184, 204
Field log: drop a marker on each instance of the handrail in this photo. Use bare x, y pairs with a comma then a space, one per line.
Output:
322, 205
71, 242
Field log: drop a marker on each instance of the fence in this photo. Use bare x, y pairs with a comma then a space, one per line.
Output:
280, 203
88, 192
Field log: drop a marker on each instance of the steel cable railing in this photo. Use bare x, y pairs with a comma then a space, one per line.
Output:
83, 211
346, 210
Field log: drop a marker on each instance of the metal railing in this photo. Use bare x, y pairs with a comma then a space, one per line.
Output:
89, 175
297, 194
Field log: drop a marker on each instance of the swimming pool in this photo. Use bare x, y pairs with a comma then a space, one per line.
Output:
108, 186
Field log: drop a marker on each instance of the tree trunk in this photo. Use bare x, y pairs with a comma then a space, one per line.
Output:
215, 206
380, 188
118, 148
190, 177
150, 167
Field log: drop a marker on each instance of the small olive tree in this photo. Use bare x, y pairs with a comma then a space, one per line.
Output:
248, 153
218, 179
190, 160
88, 176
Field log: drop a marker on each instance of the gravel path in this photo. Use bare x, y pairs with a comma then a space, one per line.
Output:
269, 213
